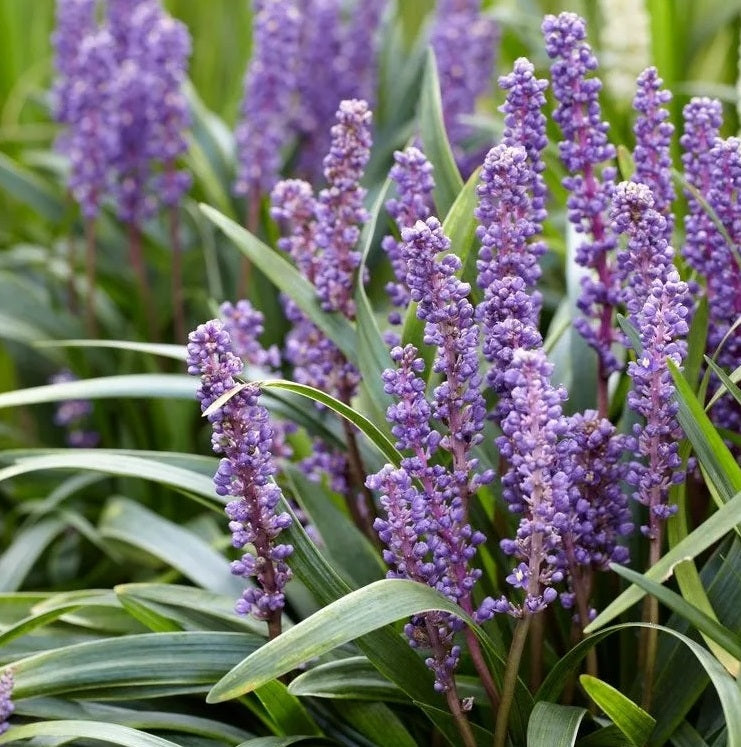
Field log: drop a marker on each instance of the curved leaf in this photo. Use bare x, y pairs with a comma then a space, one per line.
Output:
287, 279
553, 725
98, 730
448, 182
632, 720
725, 686
707, 534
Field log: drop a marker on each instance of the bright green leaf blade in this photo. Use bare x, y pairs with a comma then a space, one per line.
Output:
161, 660
448, 182
111, 463
27, 188
377, 722
130, 522
553, 725
706, 535
728, 381
287, 279
369, 429
175, 352
725, 686
632, 720
27, 546
286, 710
350, 617
98, 730
704, 623
713, 454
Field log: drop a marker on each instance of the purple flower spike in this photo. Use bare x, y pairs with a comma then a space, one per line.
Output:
584, 150
535, 485
244, 324
269, 93
723, 271
465, 44
524, 123
339, 207
647, 256
412, 173
243, 435
7, 707
653, 132
656, 300
508, 261
73, 415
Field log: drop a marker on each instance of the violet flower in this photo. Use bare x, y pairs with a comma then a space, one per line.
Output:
584, 151
412, 173
7, 707
73, 414
702, 120
656, 300
244, 325
243, 435
267, 107
653, 131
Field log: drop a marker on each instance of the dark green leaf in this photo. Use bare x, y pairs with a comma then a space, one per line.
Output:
553, 725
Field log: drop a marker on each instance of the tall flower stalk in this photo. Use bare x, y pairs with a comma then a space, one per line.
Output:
243, 436
584, 152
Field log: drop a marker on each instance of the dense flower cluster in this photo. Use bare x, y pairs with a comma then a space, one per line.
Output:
119, 93
653, 131
72, 415
244, 325
465, 43
243, 435
412, 173
269, 89
584, 150
426, 532
656, 300
6, 704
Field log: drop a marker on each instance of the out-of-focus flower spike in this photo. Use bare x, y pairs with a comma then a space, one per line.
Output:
7, 707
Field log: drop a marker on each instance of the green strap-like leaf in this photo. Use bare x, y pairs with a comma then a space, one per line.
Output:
725, 686
729, 382
287, 279
27, 188
714, 456
704, 623
98, 730
286, 710
632, 720
554, 725
360, 612
448, 182
706, 535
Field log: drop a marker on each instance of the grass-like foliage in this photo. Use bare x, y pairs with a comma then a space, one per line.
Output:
463, 381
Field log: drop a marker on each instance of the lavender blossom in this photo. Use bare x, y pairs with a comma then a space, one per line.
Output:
525, 123
647, 255
653, 132
412, 173
702, 120
85, 102
465, 43
534, 485
723, 271
508, 261
656, 300
244, 325
293, 206
583, 151
243, 435
7, 707
269, 92
599, 514
426, 532
72, 415
339, 207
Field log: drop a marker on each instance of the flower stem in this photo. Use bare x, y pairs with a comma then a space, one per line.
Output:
650, 636
90, 322
177, 275
145, 292
510, 679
